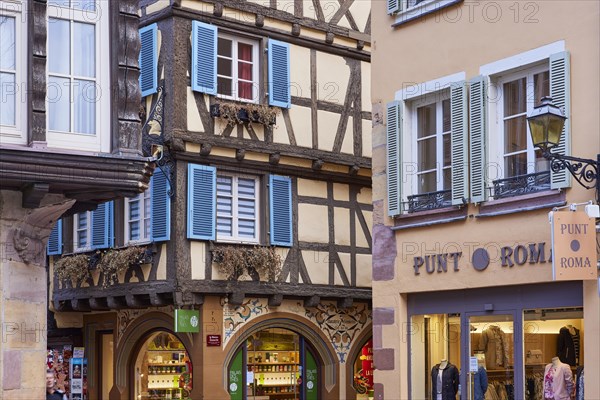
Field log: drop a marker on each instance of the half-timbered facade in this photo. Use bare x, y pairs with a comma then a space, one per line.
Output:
258, 215
70, 138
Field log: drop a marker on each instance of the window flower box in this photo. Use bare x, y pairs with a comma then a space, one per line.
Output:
235, 113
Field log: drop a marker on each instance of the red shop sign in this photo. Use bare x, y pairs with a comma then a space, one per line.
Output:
213, 340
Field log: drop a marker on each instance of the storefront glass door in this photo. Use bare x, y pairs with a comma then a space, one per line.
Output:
491, 343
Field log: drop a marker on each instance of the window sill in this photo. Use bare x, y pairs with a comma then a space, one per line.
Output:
427, 7
527, 202
431, 217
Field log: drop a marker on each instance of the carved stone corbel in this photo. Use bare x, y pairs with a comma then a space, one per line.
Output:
30, 234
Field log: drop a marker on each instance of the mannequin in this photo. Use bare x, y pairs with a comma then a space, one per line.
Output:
568, 345
480, 381
579, 384
493, 343
444, 381
558, 380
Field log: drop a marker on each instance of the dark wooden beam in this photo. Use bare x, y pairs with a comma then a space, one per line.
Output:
269, 148
136, 301
158, 299
312, 301
116, 302
62, 305
323, 105
275, 300
99, 303
345, 302
80, 305
237, 298
33, 194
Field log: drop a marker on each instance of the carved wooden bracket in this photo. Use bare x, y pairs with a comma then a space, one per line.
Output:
30, 235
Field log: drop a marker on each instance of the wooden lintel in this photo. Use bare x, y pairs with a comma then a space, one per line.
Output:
80, 305
312, 301
237, 298
135, 301
116, 302
158, 299
98, 303
197, 298
275, 300
346, 302
62, 305
33, 194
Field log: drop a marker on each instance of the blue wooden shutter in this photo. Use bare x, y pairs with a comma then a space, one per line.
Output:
560, 88
102, 226
280, 199
393, 6
204, 58
279, 74
55, 240
477, 135
161, 206
148, 60
202, 183
394, 157
459, 140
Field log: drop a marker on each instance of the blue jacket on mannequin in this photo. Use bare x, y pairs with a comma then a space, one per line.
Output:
481, 384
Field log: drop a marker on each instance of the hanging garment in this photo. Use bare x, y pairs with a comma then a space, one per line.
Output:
566, 351
558, 382
579, 385
481, 383
449, 382
493, 343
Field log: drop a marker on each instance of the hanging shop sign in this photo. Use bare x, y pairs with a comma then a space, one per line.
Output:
574, 246
187, 321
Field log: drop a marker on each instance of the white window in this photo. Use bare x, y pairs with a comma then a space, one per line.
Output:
432, 128
237, 208
82, 231
78, 75
13, 66
237, 68
138, 217
519, 94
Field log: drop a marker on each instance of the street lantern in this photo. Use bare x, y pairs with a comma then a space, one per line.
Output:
546, 123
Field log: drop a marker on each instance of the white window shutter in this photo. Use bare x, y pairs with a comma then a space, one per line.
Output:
459, 149
477, 136
560, 88
393, 6
394, 157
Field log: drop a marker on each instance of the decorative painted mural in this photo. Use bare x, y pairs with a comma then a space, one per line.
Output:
126, 317
342, 326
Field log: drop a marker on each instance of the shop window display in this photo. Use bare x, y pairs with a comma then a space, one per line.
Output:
163, 369
435, 356
363, 372
273, 365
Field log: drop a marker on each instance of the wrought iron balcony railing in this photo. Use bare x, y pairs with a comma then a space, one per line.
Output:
520, 184
429, 201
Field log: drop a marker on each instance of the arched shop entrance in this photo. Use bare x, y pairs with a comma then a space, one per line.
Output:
161, 369
362, 369
275, 363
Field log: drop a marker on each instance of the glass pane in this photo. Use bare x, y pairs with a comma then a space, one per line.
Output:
246, 208
245, 52
446, 115
224, 226
224, 66
8, 99
224, 47
426, 152
515, 134
427, 182
134, 209
447, 150
134, 230
224, 185
447, 178
59, 114
224, 205
541, 84
515, 97
147, 228
86, 5
85, 107
61, 3
515, 165
245, 90
435, 347
246, 187
491, 341
224, 86
426, 121
244, 71
84, 50
58, 46
246, 228
7, 43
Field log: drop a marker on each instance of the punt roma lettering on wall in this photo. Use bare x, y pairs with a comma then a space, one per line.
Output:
508, 256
